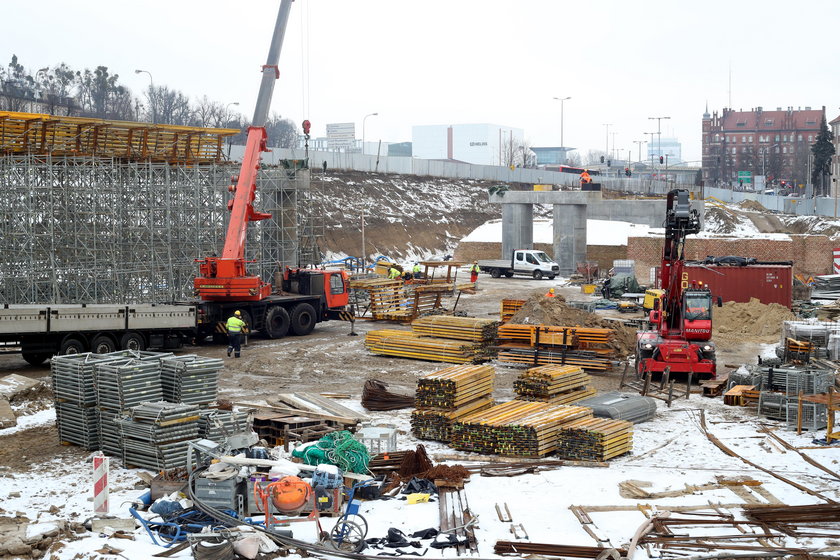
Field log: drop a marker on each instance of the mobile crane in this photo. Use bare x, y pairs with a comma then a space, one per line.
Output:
305, 296
682, 320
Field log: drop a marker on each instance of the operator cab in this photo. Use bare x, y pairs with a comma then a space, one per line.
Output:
697, 314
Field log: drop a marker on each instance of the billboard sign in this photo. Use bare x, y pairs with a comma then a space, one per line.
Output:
341, 135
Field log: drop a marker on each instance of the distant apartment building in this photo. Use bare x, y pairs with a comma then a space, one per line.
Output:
481, 144
739, 145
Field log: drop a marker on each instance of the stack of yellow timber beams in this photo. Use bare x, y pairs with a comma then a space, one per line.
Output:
509, 308
515, 428
553, 384
454, 386
125, 140
436, 423
449, 394
545, 344
405, 344
595, 439
482, 331
388, 300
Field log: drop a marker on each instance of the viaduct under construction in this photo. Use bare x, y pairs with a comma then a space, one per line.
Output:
96, 211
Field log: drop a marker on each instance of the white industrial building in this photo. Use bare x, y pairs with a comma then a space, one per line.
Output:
480, 144
670, 147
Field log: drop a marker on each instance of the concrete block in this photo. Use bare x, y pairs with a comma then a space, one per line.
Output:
7, 415
14, 384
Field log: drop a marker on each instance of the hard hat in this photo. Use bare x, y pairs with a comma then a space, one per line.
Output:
475, 262
237, 313
551, 290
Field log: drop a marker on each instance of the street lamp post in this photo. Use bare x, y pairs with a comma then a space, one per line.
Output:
607, 149
658, 133
640, 142
561, 100
151, 93
363, 129
651, 134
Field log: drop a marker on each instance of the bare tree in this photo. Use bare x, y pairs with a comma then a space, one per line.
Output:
169, 106
595, 157
573, 159
282, 133
517, 153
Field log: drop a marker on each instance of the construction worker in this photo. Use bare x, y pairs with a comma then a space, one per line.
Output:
393, 273
235, 326
416, 270
585, 178
550, 293
474, 270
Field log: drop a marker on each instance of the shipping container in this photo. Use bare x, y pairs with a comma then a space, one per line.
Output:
769, 283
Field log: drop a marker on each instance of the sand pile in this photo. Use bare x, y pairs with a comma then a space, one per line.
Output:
540, 310
752, 205
749, 322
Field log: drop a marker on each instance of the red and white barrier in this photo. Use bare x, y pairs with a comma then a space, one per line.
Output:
836, 261
100, 484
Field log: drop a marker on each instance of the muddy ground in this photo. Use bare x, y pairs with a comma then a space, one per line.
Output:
330, 360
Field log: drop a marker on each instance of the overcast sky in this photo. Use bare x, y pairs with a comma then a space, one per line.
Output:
460, 61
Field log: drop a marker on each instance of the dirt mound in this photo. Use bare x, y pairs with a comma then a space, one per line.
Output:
749, 322
541, 310
752, 205
718, 220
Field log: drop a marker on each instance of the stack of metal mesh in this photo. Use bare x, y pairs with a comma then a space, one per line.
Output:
155, 435
780, 390
121, 384
621, 406
190, 379
75, 398
217, 425
749, 375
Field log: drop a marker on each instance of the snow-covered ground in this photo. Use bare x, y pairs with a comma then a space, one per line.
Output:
669, 452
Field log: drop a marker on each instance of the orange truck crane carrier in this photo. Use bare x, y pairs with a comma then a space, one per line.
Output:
305, 296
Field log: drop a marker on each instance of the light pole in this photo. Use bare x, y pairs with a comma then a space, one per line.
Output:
640, 142
651, 134
151, 93
658, 133
363, 129
561, 100
607, 150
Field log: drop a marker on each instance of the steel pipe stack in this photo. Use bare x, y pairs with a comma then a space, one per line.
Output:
216, 425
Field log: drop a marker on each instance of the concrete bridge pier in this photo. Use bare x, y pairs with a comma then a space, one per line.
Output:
569, 236
518, 228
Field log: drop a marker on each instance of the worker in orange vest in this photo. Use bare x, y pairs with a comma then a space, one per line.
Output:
550, 293
585, 178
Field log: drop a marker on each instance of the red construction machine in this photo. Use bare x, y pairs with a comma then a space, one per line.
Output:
306, 296
682, 320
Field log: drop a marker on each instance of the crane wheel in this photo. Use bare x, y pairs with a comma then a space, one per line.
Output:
277, 322
303, 319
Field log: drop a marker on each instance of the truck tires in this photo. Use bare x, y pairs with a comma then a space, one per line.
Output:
103, 344
133, 341
303, 319
495, 273
277, 322
71, 345
35, 359
538, 275
508, 274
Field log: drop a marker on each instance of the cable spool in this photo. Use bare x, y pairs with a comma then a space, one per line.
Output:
289, 494
210, 550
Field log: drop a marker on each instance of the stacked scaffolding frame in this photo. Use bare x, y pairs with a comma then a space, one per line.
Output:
110, 230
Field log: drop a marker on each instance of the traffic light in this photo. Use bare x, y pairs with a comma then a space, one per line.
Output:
602, 159
661, 159
609, 163
627, 171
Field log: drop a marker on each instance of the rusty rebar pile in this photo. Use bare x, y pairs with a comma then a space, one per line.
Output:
376, 396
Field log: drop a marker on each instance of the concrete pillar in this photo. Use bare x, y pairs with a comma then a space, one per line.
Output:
517, 228
569, 236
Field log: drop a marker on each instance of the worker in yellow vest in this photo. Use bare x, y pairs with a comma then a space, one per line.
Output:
235, 327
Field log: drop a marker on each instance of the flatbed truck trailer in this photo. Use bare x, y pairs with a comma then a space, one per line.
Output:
39, 332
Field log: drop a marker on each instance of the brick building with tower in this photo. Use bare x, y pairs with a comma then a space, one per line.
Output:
741, 145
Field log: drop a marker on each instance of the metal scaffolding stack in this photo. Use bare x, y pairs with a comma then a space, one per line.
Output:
190, 379
108, 230
156, 435
77, 418
216, 425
